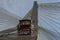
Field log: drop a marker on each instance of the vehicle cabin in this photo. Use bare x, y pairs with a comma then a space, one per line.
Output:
24, 27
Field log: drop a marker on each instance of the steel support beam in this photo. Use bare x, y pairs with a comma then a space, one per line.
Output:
34, 15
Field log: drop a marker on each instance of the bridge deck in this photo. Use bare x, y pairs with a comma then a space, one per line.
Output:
15, 36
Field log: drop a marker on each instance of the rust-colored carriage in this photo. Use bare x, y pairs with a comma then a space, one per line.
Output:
24, 27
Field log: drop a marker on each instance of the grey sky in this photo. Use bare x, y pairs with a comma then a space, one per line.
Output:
21, 7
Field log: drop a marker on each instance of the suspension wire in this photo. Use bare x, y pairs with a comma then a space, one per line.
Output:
53, 24
44, 25
48, 29
54, 21
53, 17
45, 21
52, 27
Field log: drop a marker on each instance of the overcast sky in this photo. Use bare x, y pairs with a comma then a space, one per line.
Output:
21, 7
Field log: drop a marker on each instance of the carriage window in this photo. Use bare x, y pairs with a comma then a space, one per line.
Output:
25, 23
